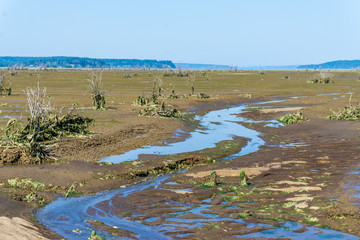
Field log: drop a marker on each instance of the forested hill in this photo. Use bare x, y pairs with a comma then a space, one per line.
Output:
341, 64
78, 62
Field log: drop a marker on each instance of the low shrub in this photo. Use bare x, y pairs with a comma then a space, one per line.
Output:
322, 77
292, 118
161, 111
202, 96
146, 101
349, 112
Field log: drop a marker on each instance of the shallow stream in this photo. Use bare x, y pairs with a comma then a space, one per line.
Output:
71, 217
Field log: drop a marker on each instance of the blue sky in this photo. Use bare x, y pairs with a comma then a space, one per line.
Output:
233, 32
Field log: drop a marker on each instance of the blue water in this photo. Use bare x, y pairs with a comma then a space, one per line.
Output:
214, 127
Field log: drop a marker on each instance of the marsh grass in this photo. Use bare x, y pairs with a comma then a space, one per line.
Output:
96, 88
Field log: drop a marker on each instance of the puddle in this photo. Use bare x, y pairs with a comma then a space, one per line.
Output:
275, 125
332, 94
172, 183
296, 97
290, 145
12, 111
8, 116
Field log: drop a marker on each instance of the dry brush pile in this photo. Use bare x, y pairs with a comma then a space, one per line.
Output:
42, 125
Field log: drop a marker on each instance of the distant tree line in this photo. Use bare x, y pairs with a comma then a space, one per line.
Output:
78, 62
340, 64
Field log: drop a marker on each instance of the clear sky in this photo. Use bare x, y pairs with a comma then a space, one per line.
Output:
232, 32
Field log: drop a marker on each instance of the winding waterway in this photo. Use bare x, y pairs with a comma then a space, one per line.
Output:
71, 217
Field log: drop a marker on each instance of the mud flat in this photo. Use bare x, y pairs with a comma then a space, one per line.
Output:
298, 181
185, 205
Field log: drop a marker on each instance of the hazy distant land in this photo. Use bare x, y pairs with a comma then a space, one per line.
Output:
80, 62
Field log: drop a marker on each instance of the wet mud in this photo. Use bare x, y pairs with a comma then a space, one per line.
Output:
289, 192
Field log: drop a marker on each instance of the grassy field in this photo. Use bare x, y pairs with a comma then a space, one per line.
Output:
70, 87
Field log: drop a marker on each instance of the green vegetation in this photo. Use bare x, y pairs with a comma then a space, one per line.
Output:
162, 110
192, 78
43, 125
152, 103
349, 112
96, 87
147, 101
242, 179
292, 118
213, 180
26, 183
94, 236
71, 191
322, 77
203, 96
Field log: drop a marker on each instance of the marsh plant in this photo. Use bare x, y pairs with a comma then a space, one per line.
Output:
213, 180
322, 77
192, 78
202, 96
97, 91
43, 124
349, 112
157, 86
162, 110
71, 191
39, 106
293, 118
173, 95
146, 101
242, 182
94, 236
5, 83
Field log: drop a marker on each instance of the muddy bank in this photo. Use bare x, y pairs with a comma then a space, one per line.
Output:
291, 179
